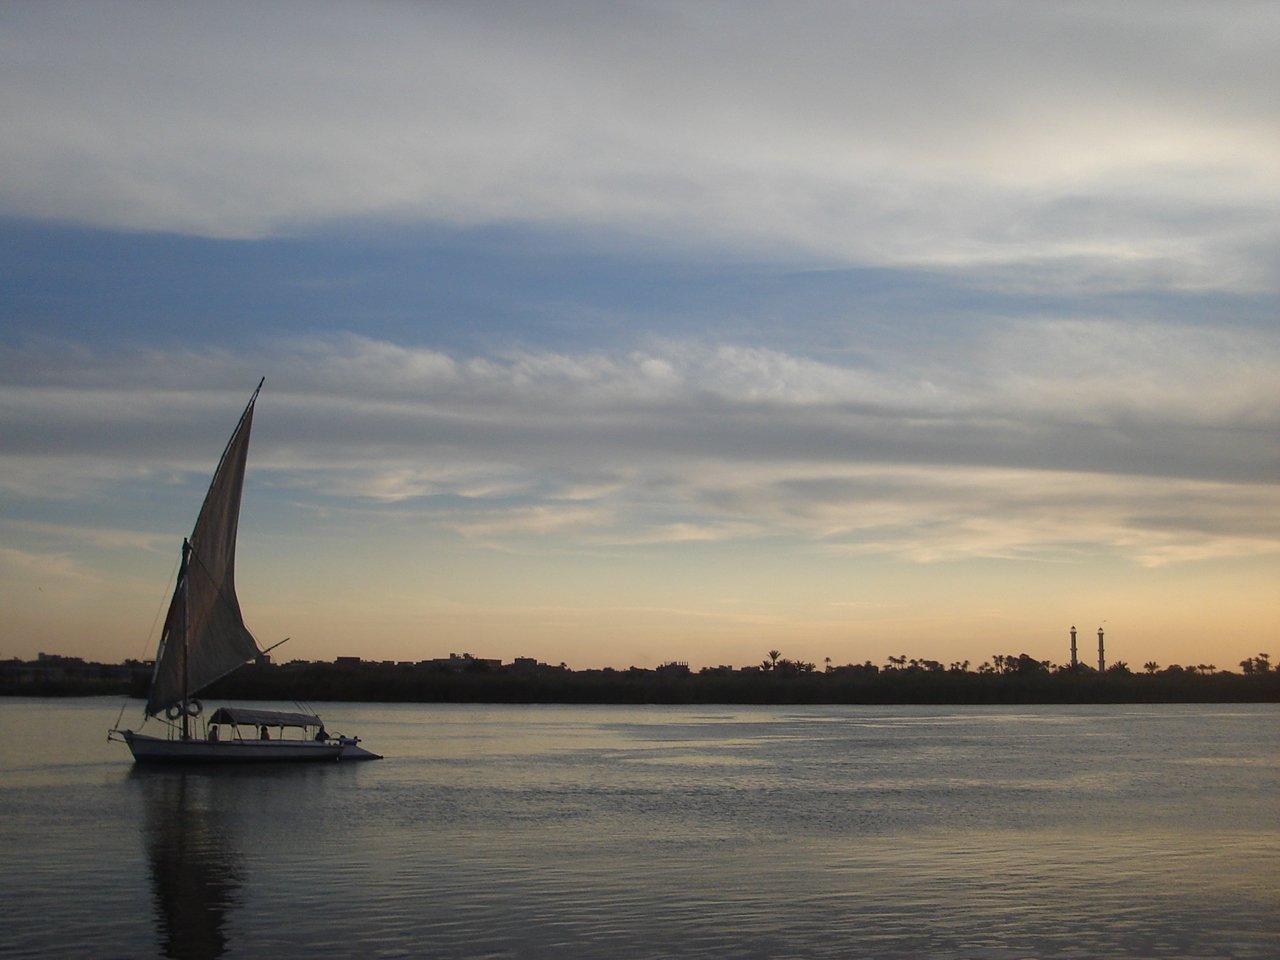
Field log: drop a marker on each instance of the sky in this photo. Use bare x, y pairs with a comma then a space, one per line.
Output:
617, 334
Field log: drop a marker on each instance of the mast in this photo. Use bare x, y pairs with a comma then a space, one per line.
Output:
186, 637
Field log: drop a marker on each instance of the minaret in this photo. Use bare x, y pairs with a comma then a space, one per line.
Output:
1102, 657
1075, 662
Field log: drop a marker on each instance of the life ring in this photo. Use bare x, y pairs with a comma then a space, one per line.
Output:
194, 708
173, 711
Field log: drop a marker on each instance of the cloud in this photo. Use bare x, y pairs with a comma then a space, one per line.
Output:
32, 568
1075, 141
1038, 440
80, 537
929, 515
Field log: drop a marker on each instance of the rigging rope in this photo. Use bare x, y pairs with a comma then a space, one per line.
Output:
165, 598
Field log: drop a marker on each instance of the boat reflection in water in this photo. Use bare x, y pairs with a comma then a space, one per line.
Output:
196, 868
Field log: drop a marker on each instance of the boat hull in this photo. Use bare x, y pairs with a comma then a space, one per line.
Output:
350, 751
147, 749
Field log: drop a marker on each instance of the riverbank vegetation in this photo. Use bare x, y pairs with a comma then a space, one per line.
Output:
1003, 679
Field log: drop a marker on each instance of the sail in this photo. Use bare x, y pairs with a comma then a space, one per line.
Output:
204, 606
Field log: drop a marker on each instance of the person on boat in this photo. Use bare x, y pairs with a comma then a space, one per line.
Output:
322, 734
265, 735
213, 733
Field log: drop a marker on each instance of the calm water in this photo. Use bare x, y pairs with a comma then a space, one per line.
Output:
619, 832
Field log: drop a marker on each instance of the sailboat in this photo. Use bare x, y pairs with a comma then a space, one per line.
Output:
205, 638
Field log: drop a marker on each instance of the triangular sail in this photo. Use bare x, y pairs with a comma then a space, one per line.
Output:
204, 604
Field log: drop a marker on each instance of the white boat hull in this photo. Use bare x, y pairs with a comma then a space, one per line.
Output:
148, 749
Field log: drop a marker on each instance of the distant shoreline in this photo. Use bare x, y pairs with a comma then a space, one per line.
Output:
382, 683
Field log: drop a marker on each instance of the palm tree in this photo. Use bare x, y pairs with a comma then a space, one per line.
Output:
773, 659
1151, 666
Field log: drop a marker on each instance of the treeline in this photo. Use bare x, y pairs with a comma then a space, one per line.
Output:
863, 684
1004, 679
69, 687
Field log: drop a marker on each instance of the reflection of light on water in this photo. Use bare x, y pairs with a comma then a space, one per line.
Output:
694, 760
1263, 762
639, 833
195, 867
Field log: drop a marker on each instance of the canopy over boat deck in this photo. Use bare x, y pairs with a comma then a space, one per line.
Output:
250, 717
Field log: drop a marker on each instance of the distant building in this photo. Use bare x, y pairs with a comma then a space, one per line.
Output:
57, 659
54, 667
463, 661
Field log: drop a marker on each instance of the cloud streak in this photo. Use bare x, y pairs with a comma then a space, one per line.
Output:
1130, 399
1136, 147
981, 457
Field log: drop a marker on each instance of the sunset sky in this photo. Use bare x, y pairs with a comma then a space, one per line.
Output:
616, 334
